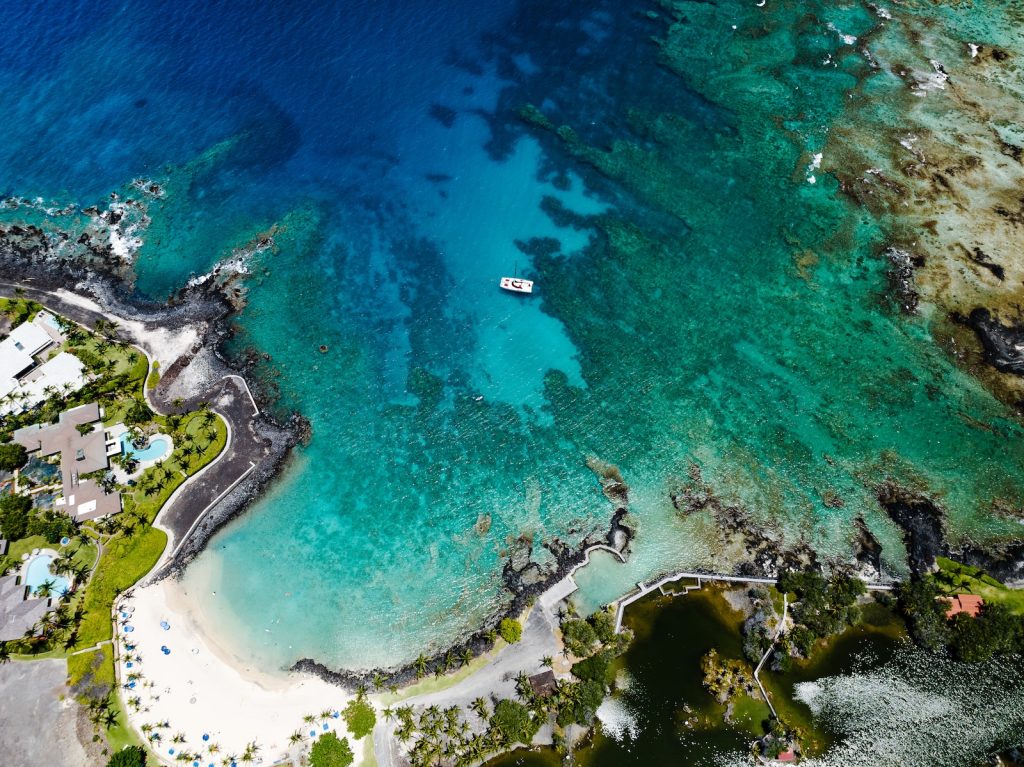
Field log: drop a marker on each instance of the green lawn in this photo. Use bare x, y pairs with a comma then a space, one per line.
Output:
125, 561
158, 482
956, 578
102, 670
154, 375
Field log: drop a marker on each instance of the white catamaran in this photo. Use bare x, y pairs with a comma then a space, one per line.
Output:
516, 284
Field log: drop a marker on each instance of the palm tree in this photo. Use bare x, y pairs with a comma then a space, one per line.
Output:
388, 713
45, 589
5, 653
466, 657
421, 666
448, 662
378, 680
479, 707
547, 660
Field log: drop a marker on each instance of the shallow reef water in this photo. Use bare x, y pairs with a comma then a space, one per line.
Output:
710, 288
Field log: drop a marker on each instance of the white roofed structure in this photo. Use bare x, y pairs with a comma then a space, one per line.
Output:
17, 351
23, 382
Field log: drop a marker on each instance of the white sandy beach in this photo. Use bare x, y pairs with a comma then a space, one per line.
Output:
163, 345
201, 689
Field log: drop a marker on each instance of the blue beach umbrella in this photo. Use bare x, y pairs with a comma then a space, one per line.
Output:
206, 736
165, 625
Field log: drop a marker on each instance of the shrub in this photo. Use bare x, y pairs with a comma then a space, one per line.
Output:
603, 622
330, 751
511, 630
924, 612
596, 668
132, 756
360, 718
513, 721
579, 637
12, 456
14, 515
52, 525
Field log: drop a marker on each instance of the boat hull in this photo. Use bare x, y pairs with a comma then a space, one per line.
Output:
516, 285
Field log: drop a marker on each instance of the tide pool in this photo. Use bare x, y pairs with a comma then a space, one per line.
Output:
699, 302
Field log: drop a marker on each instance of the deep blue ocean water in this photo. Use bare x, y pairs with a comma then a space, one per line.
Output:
383, 142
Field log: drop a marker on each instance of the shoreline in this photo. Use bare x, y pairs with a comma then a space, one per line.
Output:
198, 694
194, 325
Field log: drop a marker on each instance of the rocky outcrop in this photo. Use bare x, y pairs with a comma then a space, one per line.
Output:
32, 265
920, 519
1003, 344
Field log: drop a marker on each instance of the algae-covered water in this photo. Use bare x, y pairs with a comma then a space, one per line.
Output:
706, 292
866, 697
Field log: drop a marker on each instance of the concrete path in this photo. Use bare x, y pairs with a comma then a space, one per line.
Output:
184, 510
39, 728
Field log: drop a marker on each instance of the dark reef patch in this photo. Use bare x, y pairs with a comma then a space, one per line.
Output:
444, 115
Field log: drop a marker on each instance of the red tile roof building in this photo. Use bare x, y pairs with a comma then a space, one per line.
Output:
964, 603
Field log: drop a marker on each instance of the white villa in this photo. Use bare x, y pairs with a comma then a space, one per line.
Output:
27, 376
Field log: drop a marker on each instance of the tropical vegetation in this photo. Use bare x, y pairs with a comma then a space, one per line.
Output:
104, 557
330, 751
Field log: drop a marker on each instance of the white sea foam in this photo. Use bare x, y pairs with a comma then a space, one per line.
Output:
931, 81
918, 709
847, 39
617, 721
814, 165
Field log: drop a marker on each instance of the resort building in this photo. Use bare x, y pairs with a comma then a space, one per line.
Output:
80, 454
18, 614
964, 603
26, 378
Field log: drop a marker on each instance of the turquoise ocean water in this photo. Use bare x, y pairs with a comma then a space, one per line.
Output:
698, 298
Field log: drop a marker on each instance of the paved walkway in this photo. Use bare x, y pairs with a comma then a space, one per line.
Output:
185, 509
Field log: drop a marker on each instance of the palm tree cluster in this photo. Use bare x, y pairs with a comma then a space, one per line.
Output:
444, 737
58, 626
102, 712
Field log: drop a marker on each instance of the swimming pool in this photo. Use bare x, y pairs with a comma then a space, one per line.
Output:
158, 448
37, 571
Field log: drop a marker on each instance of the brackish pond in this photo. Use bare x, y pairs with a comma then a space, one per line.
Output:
666, 717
